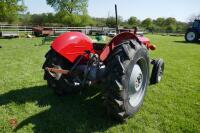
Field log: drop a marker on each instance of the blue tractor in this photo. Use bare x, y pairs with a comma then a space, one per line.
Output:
193, 33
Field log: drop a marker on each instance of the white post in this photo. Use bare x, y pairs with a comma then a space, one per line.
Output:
1, 28
25, 29
17, 30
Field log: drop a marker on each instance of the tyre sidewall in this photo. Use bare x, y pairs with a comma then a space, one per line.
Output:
156, 70
159, 64
140, 53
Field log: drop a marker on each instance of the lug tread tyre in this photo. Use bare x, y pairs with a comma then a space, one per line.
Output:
158, 65
118, 65
63, 84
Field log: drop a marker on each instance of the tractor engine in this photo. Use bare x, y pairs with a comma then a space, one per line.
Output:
93, 70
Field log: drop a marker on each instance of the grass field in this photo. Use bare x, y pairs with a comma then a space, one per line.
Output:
27, 105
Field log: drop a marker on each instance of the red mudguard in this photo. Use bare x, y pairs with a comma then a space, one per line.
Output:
123, 37
72, 45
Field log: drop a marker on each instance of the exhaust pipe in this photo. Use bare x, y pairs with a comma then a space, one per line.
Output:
116, 17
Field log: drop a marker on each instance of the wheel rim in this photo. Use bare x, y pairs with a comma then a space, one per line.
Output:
159, 77
160, 73
138, 82
191, 36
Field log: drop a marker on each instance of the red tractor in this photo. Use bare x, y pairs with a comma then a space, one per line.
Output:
122, 65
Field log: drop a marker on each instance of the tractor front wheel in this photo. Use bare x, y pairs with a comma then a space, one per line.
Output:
157, 71
128, 77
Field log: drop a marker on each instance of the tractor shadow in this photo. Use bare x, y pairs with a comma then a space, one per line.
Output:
184, 42
71, 113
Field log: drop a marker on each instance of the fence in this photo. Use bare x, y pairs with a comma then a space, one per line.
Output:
28, 29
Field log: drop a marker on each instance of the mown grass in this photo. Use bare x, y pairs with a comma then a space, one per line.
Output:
171, 106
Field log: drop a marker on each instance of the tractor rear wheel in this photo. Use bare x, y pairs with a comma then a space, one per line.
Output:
61, 84
128, 77
191, 36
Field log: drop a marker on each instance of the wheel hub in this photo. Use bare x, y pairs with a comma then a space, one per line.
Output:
136, 79
138, 82
191, 36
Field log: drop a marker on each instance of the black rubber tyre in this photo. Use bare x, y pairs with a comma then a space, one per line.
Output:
157, 71
36, 34
191, 36
61, 84
120, 67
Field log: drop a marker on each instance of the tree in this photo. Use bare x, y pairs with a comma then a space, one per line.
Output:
86, 20
171, 28
50, 18
9, 10
71, 12
147, 23
170, 24
133, 21
111, 21
38, 19
159, 22
69, 6
193, 17
158, 25
170, 21
99, 21
25, 19
181, 27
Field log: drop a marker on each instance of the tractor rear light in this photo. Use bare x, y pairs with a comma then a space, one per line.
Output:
152, 47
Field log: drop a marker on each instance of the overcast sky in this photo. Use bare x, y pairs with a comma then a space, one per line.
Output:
180, 9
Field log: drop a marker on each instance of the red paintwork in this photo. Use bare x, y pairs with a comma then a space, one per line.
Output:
72, 44
114, 42
147, 42
122, 37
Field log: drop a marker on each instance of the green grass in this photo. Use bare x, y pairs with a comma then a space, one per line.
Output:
171, 106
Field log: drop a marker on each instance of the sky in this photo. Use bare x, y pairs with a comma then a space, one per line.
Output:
179, 9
